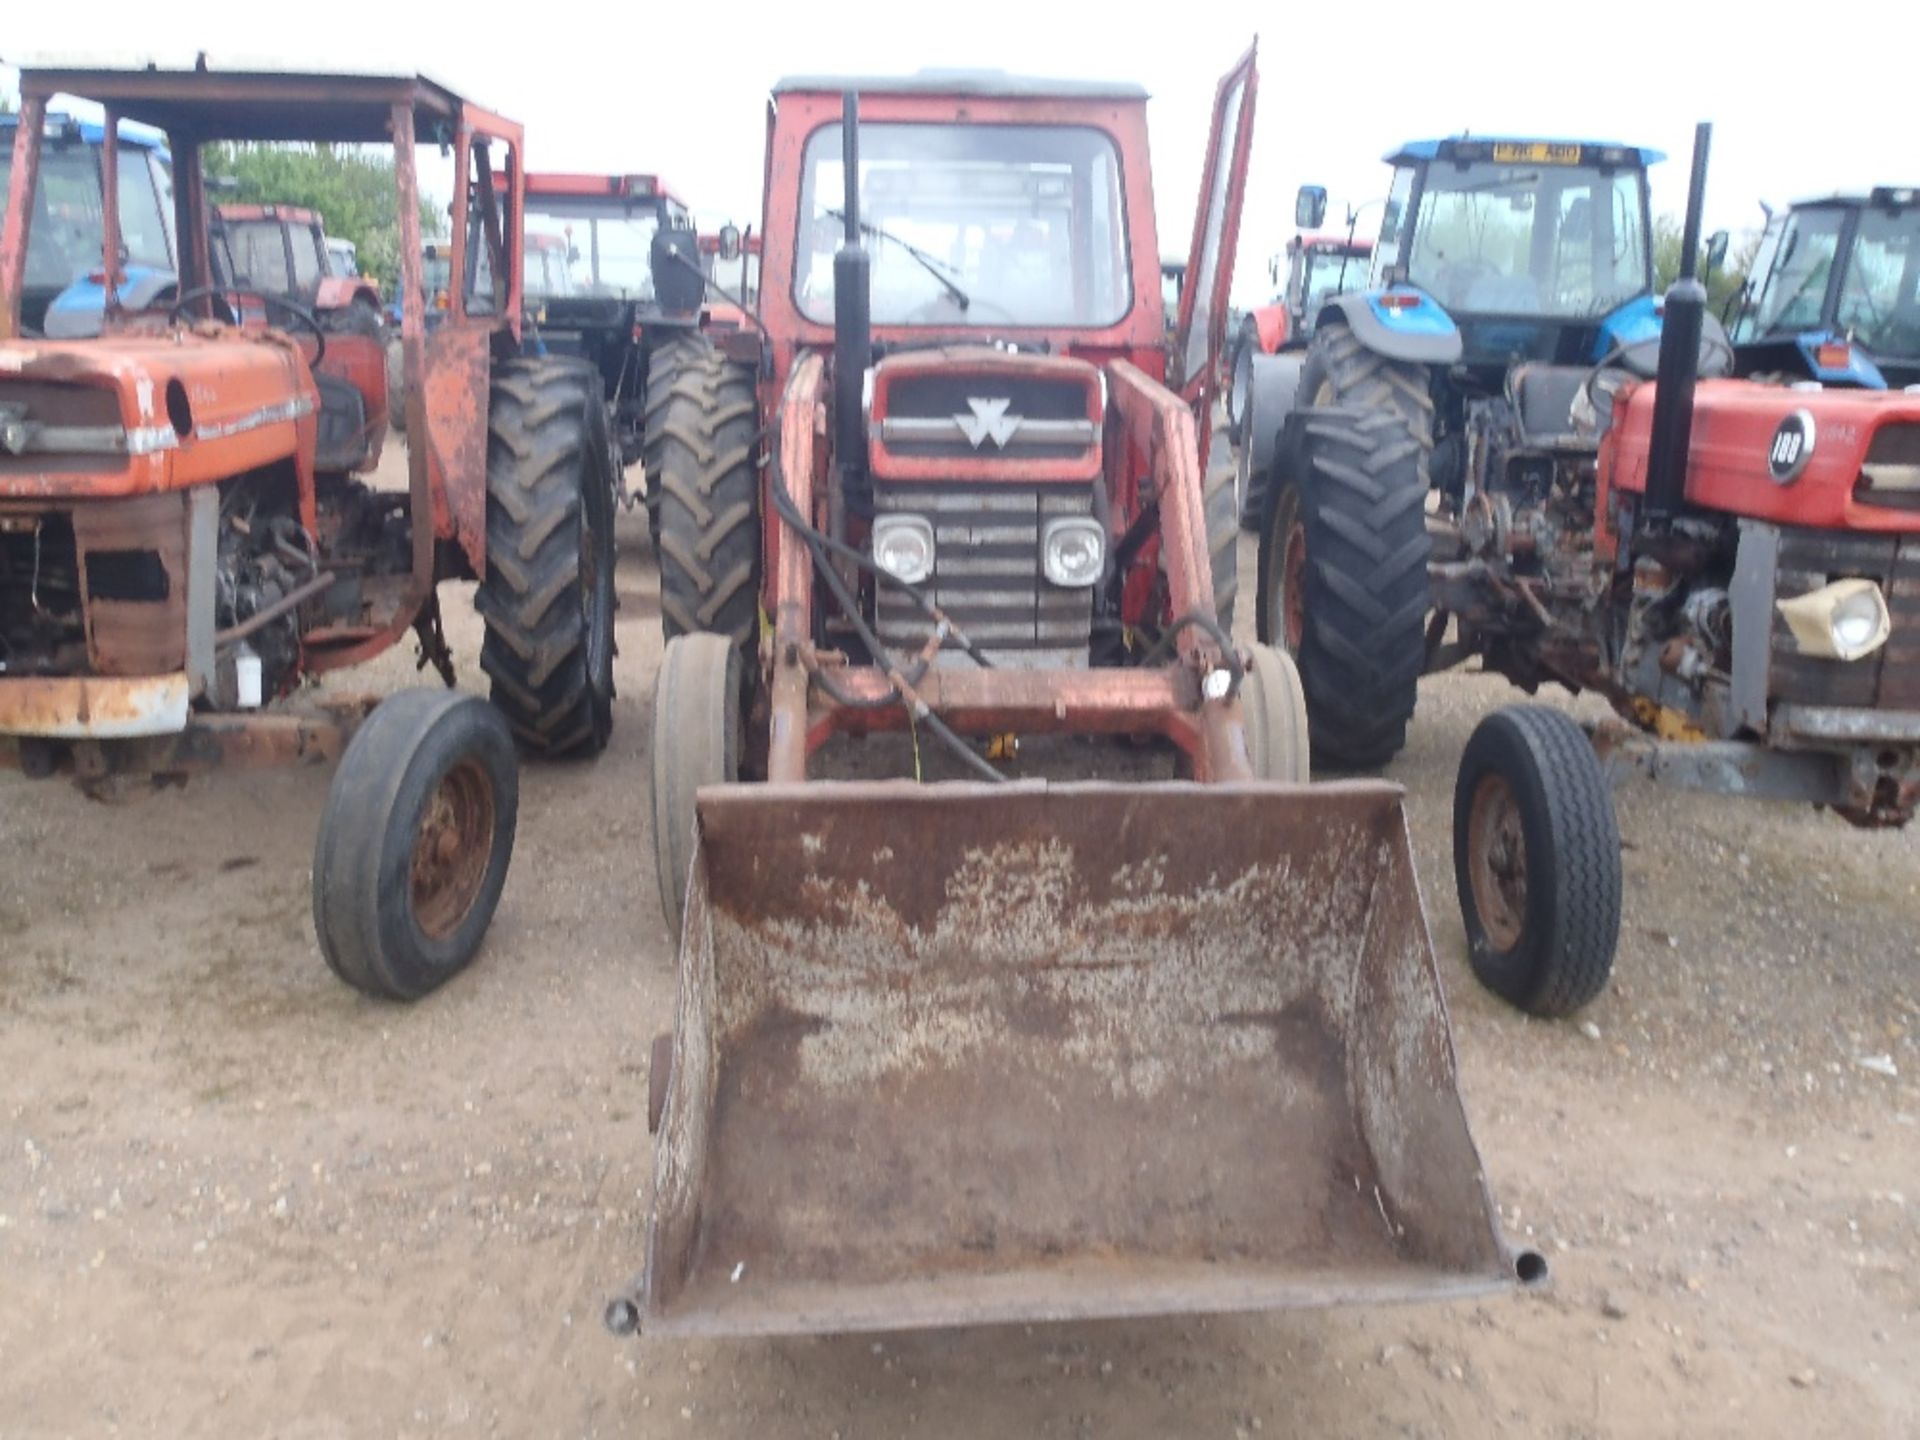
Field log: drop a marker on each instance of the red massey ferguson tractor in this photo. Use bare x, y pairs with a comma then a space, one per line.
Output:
1107, 1048
184, 539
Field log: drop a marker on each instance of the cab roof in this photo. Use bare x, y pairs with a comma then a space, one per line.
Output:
64, 124
983, 83
552, 184
1418, 150
1894, 196
338, 107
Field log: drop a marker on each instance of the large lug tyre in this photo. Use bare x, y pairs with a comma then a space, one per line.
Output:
705, 488
547, 598
1343, 555
1536, 860
1223, 524
414, 842
1273, 708
696, 741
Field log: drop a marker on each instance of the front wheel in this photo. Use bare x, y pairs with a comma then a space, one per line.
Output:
414, 843
1536, 860
696, 741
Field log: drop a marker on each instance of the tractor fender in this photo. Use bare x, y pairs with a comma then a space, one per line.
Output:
339, 291
1271, 398
1270, 326
1414, 328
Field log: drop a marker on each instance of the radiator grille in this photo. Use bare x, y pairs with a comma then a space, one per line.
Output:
987, 575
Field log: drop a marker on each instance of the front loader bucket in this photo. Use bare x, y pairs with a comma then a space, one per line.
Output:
960, 1053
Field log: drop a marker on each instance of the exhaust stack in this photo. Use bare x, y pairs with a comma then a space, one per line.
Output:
1686, 308
852, 337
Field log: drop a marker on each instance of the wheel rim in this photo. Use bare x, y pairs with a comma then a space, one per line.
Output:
1242, 383
1293, 584
1287, 599
451, 848
1497, 862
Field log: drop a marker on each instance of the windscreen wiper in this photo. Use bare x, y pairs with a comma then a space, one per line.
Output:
933, 267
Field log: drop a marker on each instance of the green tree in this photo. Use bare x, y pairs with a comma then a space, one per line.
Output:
353, 189
1726, 279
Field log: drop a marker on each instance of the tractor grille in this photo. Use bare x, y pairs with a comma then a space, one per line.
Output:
987, 575
1888, 679
42, 624
927, 416
1890, 475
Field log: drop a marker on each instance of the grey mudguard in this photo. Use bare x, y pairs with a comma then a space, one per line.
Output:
1419, 347
1271, 397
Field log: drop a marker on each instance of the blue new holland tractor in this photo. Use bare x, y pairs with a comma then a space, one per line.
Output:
1507, 275
1834, 293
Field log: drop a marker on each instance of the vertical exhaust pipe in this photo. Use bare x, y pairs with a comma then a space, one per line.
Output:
1686, 307
852, 338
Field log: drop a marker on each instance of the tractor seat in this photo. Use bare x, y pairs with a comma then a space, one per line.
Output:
1544, 396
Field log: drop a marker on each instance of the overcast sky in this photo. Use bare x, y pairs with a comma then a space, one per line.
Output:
1819, 99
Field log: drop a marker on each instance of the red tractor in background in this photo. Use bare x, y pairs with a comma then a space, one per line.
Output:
185, 539
1317, 266
1109, 1047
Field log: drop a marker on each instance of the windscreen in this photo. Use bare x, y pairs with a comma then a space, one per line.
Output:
971, 225
1333, 272
256, 256
64, 244
547, 276
604, 248
1880, 297
1563, 241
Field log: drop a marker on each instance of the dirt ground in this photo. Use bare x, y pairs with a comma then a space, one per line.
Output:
238, 1200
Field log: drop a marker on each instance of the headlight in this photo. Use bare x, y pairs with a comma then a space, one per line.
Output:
1072, 551
903, 547
1845, 620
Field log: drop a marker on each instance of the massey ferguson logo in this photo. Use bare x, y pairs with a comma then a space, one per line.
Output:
989, 421
1791, 448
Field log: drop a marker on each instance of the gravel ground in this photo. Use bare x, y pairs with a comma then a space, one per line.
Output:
236, 1199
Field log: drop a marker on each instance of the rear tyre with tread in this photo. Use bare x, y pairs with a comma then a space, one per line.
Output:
1362, 549
705, 489
696, 741
547, 598
1536, 860
414, 842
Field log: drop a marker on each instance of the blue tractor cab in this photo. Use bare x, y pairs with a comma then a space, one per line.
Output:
1834, 293
63, 294
1495, 251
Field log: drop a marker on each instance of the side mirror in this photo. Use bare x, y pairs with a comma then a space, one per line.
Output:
1273, 269
729, 242
1716, 250
1310, 207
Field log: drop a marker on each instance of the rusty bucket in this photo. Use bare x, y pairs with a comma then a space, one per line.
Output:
953, 1054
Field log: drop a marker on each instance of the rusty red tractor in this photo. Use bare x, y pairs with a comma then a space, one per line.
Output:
1106, 1047
186, 539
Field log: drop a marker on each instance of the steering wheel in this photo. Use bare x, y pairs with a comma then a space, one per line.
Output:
306, 318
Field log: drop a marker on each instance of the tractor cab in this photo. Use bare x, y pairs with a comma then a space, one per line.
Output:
1315, 269
1522, 249
1834, 293
64, 242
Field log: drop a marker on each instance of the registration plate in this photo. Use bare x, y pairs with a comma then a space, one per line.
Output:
1534, 152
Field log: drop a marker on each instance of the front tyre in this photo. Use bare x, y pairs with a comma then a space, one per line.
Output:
1536, 860
414, 843
696, 741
